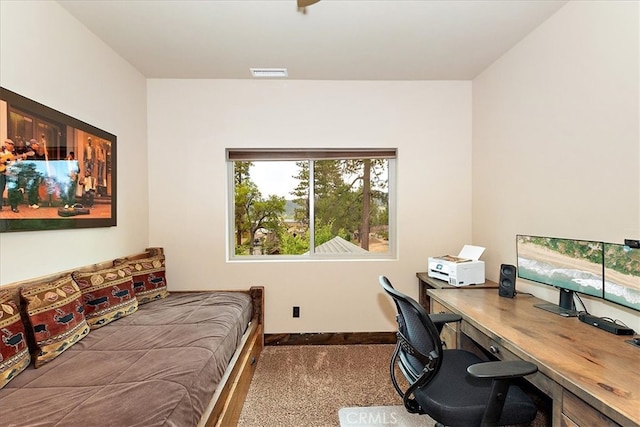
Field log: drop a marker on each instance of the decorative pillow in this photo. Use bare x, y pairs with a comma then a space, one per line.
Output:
14, 352
149, 280
56, 316
107, 294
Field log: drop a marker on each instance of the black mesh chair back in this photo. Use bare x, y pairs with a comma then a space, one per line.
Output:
415, 327
453, 386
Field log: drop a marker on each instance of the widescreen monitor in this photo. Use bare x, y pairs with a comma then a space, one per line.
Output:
567, 264
622, 275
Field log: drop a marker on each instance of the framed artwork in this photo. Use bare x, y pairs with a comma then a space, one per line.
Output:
56, 172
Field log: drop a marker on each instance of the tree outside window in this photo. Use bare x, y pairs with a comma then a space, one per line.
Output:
312, 204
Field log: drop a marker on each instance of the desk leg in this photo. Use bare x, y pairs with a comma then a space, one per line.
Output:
555, 392
556, 395
424, 299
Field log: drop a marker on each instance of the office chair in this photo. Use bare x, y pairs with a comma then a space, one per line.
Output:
454, 387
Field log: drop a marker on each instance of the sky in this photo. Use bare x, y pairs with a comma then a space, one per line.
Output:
275, 178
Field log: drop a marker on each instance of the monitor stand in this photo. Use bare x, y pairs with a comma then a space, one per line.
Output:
553, 308
565, 306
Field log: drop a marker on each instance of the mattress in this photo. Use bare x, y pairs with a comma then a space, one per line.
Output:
156, 367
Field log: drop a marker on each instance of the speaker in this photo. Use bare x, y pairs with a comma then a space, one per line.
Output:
507, 284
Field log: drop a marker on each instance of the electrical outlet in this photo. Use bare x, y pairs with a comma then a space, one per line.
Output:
296, 311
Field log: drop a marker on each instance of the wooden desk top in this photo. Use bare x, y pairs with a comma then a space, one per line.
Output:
595, 365
441, 284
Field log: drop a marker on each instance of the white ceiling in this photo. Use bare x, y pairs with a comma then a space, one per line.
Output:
334, 40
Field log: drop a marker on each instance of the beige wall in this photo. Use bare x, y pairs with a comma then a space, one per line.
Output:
555, 152
191, 122
556, 147
46, 55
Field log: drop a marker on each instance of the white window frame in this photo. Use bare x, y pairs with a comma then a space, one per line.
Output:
257, 154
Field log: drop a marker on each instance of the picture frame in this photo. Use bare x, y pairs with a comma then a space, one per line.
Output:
56, 172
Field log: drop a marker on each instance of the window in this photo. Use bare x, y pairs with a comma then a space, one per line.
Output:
325, 203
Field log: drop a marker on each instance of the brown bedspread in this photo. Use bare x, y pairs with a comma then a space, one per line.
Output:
157, 367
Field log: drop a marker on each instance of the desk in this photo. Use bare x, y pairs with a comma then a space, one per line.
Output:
592, 376
425, 283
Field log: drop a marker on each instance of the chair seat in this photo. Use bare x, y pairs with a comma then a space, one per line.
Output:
455, 398
449, 394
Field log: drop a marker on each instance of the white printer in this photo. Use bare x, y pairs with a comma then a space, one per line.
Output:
462, 270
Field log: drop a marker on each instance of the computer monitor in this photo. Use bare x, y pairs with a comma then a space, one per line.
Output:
566, 264
622, 275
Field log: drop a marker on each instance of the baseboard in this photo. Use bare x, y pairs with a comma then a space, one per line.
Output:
331, 338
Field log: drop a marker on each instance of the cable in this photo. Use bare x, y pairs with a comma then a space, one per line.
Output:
616, 321
577, 295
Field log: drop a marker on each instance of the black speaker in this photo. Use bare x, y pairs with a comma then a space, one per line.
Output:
507, 284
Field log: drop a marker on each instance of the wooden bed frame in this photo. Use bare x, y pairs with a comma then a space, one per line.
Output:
226, 404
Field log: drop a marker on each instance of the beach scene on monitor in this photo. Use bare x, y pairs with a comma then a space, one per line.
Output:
622, 275
570, 264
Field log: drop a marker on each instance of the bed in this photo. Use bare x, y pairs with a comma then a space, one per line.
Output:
183, 359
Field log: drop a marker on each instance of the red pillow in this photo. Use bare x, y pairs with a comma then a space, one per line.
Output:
107, 294
149, 278
14, 352
56, 317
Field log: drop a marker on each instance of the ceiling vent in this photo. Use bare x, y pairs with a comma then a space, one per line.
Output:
269, 72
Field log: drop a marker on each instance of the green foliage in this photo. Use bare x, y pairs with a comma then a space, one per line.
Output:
251, 211
350, 197
243, 250
294, 243
339, 197
301, 193
323, 234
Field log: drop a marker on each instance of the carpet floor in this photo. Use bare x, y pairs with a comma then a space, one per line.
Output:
330, 386
308, 385
381, 416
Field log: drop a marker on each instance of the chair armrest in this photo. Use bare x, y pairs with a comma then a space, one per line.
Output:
442, 318
502, 369
501, 373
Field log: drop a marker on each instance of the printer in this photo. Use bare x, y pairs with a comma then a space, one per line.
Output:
462, 270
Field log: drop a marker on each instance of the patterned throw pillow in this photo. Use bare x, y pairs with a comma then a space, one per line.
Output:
14, 352
149, 281
56, 316
107, 294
